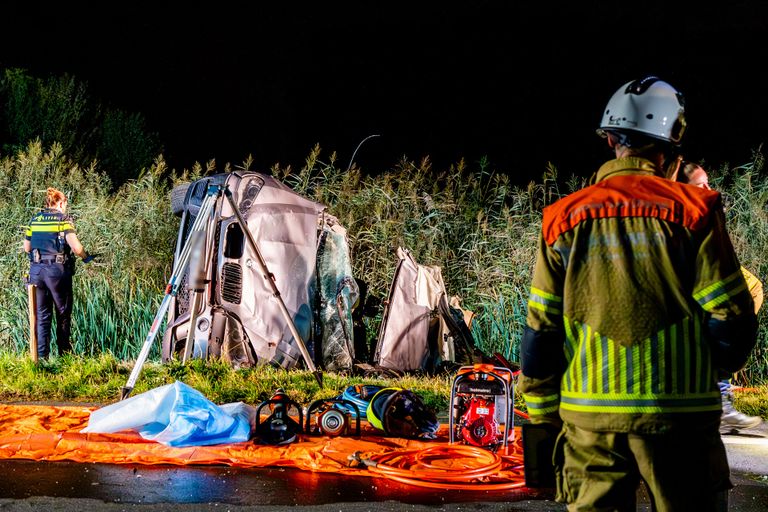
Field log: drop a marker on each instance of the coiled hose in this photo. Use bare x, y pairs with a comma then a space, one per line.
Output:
359, 395
450, 467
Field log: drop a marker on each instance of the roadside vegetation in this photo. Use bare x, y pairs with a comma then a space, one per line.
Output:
97, 380
469, 219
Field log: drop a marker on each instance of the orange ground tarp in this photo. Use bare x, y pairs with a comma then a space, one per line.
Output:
52, 433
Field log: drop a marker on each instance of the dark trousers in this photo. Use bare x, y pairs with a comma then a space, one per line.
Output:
601, 471
54, 296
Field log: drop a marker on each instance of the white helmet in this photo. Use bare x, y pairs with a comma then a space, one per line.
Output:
648, 106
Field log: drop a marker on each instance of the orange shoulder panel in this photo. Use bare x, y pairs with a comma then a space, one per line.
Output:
630, 196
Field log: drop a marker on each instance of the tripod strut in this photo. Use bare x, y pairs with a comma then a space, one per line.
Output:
171, 290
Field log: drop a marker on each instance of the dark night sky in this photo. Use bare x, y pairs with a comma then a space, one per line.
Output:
523, 83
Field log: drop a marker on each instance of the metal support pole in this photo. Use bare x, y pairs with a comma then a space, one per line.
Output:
196, 281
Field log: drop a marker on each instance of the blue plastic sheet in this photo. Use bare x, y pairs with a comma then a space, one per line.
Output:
176, 415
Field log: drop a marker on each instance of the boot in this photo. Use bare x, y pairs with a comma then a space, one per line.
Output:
732, 420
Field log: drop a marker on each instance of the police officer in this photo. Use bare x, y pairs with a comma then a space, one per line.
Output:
637, 301
50, 242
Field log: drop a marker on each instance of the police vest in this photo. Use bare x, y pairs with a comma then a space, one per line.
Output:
47, 233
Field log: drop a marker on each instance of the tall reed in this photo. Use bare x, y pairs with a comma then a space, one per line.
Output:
132, 230
483, 230
469, 219
745, 196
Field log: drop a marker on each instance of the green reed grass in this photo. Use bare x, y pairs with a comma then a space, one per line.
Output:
469, 219
132, 230
745, 195
496, 324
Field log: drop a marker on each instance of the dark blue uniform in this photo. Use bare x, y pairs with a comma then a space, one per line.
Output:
51, 268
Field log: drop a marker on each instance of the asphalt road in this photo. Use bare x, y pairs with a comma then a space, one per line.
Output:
69, 486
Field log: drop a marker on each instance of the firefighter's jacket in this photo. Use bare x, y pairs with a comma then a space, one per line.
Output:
637, 301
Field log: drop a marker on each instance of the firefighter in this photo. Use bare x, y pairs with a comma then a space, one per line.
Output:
50, 242
637, 301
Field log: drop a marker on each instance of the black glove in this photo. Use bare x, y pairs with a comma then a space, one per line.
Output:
732, 341
90, 258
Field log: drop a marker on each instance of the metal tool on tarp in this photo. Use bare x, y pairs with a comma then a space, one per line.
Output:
279, 428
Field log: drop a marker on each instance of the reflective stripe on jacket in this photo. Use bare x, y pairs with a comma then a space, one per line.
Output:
628, 272
47, 232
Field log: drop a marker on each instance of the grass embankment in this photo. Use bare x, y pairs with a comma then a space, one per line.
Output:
472, 221
97, 380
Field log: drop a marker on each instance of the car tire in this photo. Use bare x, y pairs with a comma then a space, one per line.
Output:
178, 194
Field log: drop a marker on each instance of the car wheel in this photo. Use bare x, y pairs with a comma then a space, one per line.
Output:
178, 194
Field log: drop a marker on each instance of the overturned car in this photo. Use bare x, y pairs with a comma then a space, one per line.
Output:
225, 306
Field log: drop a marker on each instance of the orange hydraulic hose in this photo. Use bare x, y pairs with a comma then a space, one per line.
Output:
522, 414
442, 467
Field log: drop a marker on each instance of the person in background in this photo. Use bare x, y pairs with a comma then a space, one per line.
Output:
637, 300
51, 242
732, 420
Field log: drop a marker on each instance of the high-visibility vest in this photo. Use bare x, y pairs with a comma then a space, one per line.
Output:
47, 231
